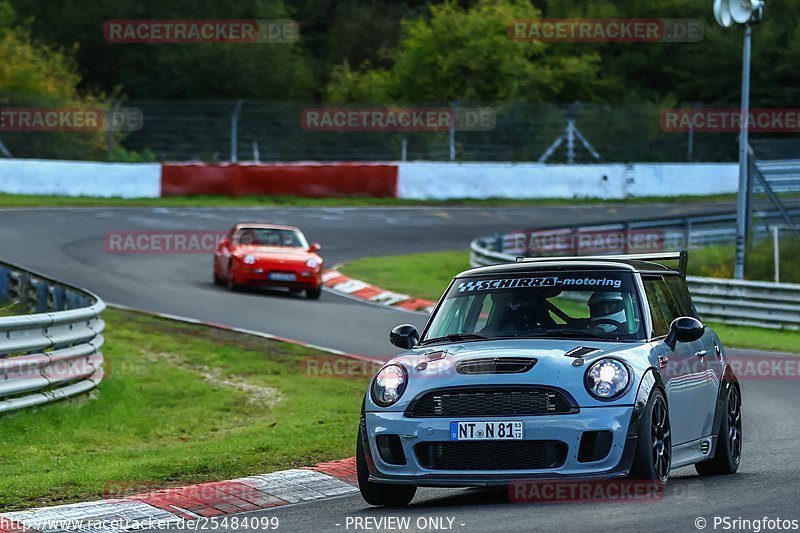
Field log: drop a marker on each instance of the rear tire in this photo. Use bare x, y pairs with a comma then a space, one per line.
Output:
729, 440
379, 493
653, 457
313, 294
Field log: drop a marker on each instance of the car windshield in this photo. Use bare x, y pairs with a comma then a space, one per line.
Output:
586, 305
271, 237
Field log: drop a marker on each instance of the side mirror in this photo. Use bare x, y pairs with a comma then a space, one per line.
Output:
315, 247
405, 336
684, 329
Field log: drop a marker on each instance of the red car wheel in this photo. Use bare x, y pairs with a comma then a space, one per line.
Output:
232, 285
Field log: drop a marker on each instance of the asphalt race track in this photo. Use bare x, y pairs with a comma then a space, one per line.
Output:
69, 244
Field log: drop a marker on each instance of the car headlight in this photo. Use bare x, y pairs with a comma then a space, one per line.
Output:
249, 259
312, 263
607, 379
389, 385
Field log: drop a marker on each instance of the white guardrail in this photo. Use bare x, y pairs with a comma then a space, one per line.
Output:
749, 303
53, 353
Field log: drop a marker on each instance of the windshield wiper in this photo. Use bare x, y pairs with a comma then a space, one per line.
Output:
455, 337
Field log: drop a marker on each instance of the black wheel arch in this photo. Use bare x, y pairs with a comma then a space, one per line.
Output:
650, 380
726, 384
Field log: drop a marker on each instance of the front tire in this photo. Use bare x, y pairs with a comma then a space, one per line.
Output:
313, 294
729, 440
232, 285
379, 493
653, 458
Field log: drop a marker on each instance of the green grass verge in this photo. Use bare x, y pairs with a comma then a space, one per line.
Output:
11, 309
12, 200
180, 404
717, 261
427, 275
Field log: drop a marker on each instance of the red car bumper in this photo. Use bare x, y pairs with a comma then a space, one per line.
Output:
293, 279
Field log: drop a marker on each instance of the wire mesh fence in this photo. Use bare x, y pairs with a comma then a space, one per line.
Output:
236, 130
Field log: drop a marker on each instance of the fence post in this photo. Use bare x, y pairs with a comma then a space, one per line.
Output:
777, 252
110, 138
235, 129
687, 233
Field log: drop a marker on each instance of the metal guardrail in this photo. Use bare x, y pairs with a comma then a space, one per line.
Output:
671, 234
53, 353
752, 303
783, 175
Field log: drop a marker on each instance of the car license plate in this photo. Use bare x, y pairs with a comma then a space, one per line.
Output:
282, 276
494, 430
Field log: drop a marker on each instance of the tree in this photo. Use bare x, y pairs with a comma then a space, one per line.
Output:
467, 54
34, 75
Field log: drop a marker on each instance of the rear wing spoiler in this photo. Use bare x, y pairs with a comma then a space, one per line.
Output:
682, 257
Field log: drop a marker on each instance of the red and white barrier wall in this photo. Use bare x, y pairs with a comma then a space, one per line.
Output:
412, 180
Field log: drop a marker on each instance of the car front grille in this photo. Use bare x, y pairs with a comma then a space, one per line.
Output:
492, 455
494, 401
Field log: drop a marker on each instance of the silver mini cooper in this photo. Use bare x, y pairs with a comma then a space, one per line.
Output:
552, 368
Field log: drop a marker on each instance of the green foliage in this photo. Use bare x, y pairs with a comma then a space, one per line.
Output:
37, 76
467, 55
121, 155
174, 71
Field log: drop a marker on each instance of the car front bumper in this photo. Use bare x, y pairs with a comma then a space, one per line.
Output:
566, 428
259, 277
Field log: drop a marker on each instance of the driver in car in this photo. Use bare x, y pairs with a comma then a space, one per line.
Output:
607, 311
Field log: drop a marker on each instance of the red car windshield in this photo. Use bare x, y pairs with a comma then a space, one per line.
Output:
271, 237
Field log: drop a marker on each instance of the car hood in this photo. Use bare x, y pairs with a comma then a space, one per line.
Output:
552, 368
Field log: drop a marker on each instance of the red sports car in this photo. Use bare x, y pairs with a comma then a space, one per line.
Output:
266, 255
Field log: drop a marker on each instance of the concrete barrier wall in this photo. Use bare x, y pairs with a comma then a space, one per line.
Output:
79, 178
412, 180
308, 180
428, 180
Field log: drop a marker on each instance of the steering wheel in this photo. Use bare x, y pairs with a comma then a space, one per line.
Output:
610, 322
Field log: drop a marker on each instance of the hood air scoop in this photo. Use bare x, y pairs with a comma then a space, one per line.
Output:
581, 351
496, 365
